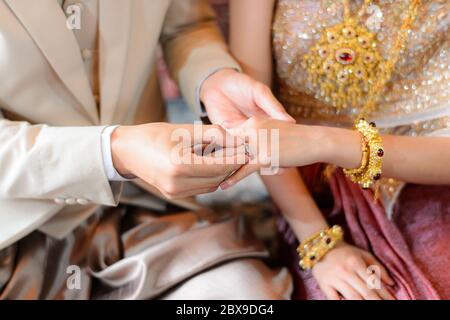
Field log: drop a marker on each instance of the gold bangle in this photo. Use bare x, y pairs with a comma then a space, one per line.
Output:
315, 247
373, 152
364, 159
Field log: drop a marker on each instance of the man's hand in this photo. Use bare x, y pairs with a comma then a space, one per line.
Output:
177, 159
231, 97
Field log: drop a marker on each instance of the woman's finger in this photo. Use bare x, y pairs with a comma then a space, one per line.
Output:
220, 137
240, 174
382, 291
331, 293
371, 260
219, 152
347, 291
361, 286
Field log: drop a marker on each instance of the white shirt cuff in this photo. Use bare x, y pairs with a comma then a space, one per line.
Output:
110, 171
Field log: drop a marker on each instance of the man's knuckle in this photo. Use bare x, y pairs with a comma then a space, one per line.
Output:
169, 195
171, 187
213, 185
177, 170
260, 87
266, 91
211, 96
217, 170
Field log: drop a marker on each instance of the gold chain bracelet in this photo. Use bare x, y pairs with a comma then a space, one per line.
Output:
315, 247
372, 156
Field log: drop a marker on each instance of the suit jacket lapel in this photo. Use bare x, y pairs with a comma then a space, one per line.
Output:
114, 27
46, 23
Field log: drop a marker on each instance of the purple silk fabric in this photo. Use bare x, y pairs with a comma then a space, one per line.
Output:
414, 246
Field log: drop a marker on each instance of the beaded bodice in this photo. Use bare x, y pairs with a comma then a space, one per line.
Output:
415, 101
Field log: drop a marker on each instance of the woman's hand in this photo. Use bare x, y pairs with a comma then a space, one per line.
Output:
344, 272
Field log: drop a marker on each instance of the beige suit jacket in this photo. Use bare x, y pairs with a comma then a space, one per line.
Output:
50, 144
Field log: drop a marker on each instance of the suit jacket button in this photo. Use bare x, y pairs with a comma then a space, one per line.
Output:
82, 201
71, 201
59, 200
87, 54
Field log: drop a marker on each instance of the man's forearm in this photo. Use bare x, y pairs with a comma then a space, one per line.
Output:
63, 164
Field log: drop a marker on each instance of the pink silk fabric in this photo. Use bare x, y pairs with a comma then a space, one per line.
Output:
414, 246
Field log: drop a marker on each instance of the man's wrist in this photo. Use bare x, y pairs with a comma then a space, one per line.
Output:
209, 81
117, 151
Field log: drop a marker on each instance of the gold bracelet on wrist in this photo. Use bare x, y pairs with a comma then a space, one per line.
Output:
372, 155
364, 159
314, 248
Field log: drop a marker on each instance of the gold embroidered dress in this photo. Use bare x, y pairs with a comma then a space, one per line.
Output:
407, 231
415, 101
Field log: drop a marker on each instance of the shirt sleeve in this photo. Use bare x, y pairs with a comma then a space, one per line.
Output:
110, 170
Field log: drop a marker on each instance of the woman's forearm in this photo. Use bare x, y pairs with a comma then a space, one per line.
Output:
254, 54
422, 160
295, 202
